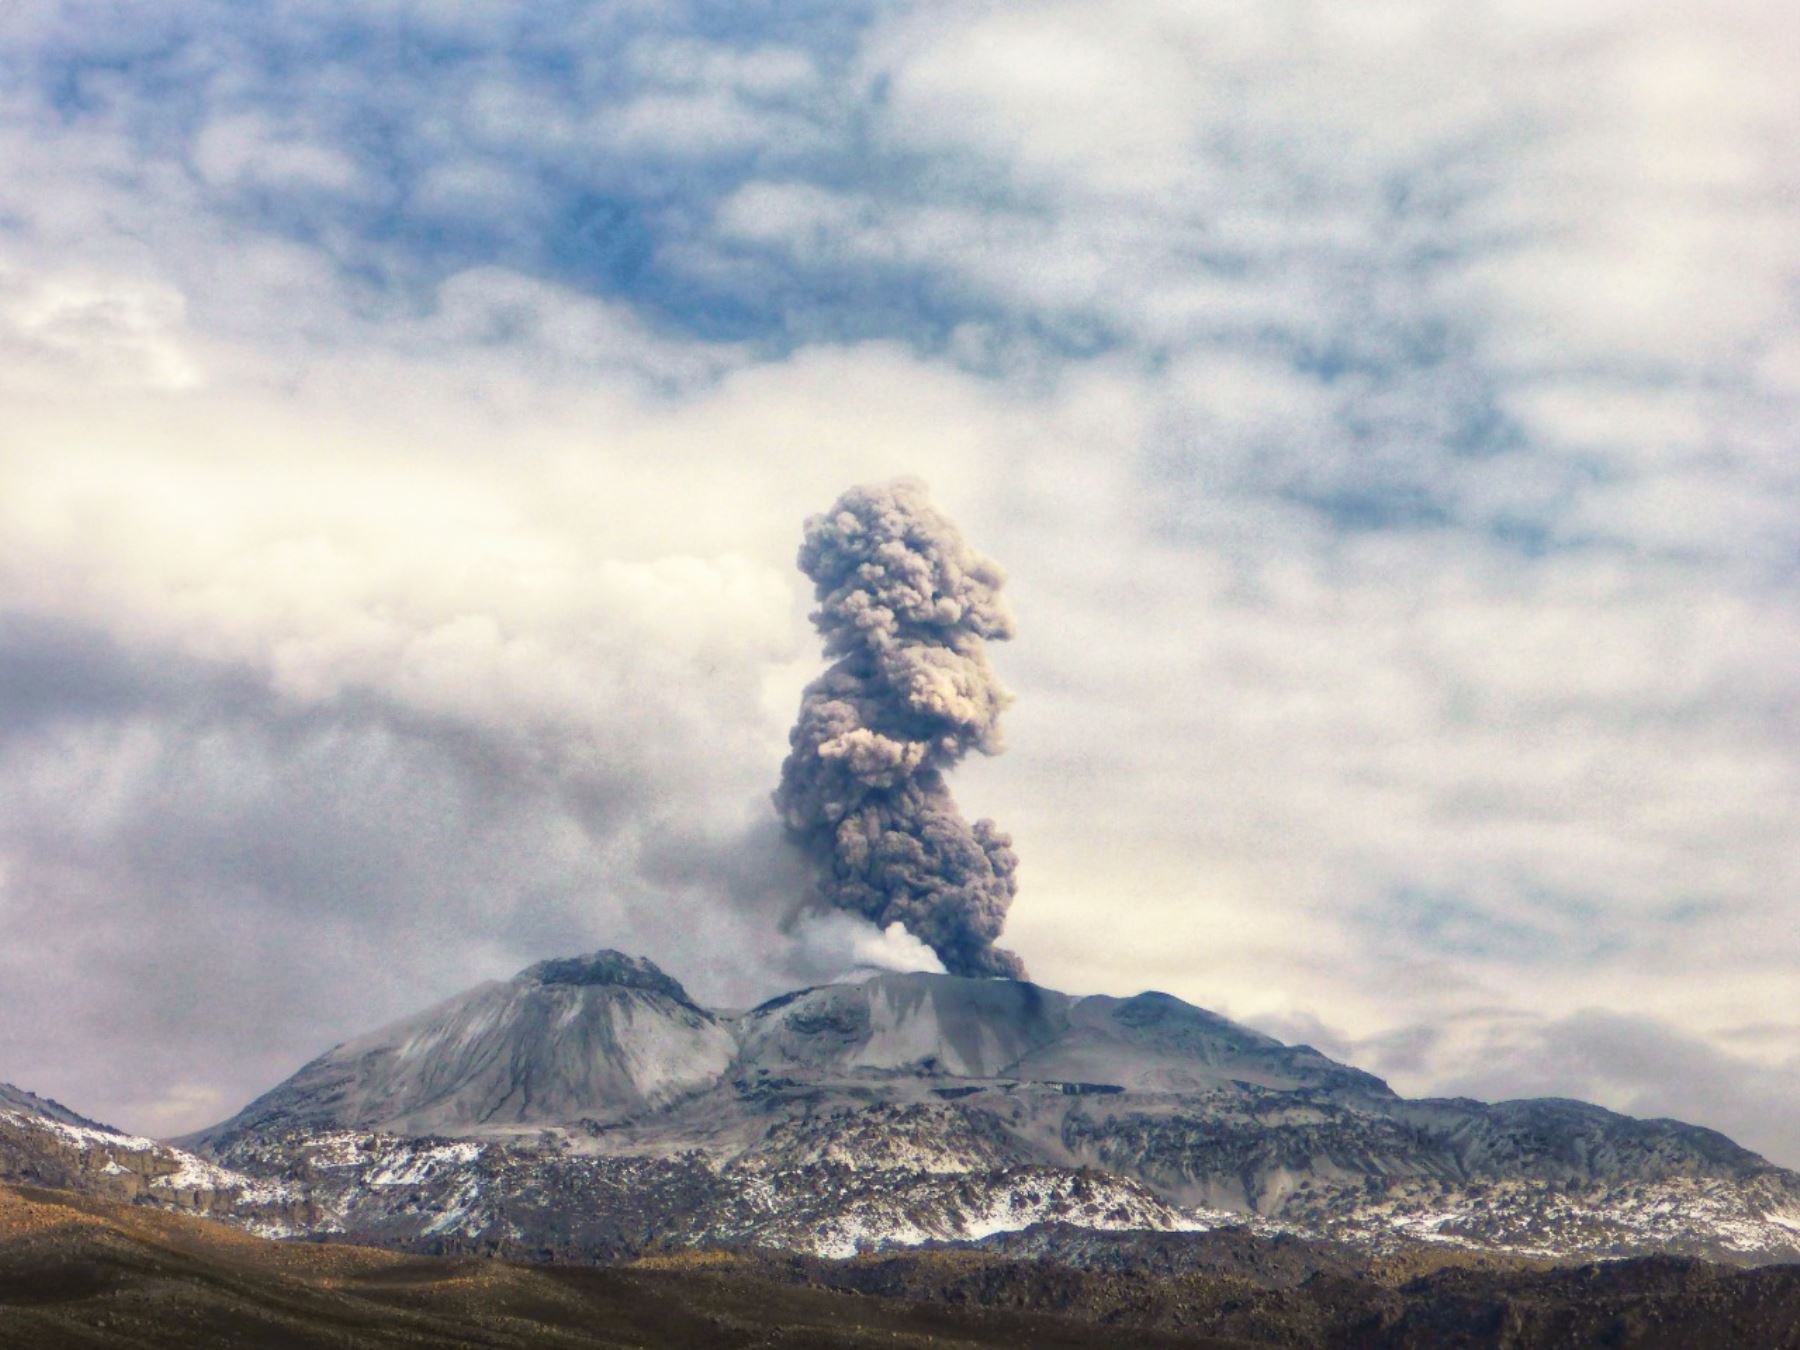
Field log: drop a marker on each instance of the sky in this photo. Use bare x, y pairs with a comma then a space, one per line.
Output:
1385, 414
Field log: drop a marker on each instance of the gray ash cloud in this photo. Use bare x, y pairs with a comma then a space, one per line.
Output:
906, 609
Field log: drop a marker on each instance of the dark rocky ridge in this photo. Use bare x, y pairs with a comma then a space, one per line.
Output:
29, 1103
608, 968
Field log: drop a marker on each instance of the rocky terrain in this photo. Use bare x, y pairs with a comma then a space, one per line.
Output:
82, 1272
589, 1108
43, 1143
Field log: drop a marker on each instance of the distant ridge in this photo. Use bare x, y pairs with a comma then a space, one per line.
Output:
17, 1099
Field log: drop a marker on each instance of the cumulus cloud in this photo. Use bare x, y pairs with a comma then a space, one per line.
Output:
76, 324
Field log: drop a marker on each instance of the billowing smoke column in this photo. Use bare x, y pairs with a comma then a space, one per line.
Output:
905, 607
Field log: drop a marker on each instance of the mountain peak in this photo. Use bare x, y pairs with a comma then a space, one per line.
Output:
607, 967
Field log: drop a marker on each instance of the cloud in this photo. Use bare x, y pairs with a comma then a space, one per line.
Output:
247, 151
78, 324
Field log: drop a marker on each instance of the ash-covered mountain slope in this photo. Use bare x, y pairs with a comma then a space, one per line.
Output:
590, 1106
562, 1040
611, 1038
943, 1025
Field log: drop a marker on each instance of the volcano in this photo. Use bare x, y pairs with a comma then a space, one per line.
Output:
590, 1107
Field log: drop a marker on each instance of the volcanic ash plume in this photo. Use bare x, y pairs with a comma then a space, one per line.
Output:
905, 607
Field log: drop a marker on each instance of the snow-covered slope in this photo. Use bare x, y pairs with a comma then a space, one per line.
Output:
43, 1143
16, 1101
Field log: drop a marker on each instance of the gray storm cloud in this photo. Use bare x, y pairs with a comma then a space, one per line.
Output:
906, 609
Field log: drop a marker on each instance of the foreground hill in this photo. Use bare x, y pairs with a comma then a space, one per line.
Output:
589, 1108
81, 1272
